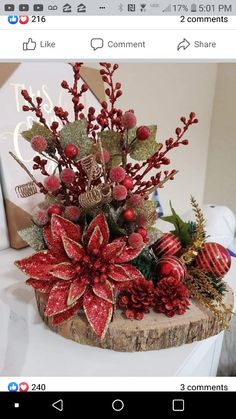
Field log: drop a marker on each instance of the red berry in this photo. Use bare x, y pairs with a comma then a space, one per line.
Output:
54, 209
127, 183
129, 120
119, 193
67, 176
136, 200
143, 133
106, 156
72, 213
52, 183
117, 174
40, 217
71, 151
39, 143
142, 231
128, 215
135, 240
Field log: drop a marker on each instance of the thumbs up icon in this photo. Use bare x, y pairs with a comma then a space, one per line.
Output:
30, 45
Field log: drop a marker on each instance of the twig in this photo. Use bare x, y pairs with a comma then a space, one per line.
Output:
24, 167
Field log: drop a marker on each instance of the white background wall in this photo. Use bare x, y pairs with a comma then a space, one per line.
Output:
160, 94
221, 167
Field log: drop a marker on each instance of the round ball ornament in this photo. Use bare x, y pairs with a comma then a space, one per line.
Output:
128, 215
167, 245
170, 266
214, 258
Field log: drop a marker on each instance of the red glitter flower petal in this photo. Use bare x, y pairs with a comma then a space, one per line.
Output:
98, 312
41, 286
73, 250
128, 253
95, 241
118, 273
63, 271
77, 289
101, 222
39, 265
112, 250
55, 246
67, 315
104, 291
57, 300
61, 227
132, 272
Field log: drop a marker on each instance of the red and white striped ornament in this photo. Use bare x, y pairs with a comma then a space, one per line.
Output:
167, 245
214, 258
171, 266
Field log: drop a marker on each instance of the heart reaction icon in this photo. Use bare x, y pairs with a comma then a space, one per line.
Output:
24, 19
24, 387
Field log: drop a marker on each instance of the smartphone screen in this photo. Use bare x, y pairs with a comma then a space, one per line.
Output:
117, 207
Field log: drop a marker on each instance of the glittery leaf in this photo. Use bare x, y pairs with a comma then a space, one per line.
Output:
42, 286
73, 250
57, 300
95, 241
101, 222
39, 265
118, 273
62, 227
63, 271
112, 250
111, 142
38, 129
77, 289
68, 314
104, 291
98, 312
33, 236
128, 253
142, 150
76, 133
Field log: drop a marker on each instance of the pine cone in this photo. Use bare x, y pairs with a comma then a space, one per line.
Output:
171, 297
136, 298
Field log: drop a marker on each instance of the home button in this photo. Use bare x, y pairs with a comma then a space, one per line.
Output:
118, 405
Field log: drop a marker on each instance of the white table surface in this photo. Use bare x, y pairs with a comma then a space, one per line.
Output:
29, 348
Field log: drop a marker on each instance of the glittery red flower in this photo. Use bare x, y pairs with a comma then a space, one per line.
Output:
171, 297
81, 273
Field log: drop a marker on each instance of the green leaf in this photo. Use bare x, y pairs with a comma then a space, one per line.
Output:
182, 230
38, 129
33, 236
145, 262
76, 133
142, 150
111, 142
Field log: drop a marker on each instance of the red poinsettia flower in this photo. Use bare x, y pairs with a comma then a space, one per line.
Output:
80, 273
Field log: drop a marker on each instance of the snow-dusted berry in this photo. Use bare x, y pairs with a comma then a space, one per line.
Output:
119, 193
129, 120
52, 183
67, 176
39, 143
72, 213
135, 240
40, 217
117, 174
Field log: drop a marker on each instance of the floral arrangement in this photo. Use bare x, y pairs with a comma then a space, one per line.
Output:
98, 249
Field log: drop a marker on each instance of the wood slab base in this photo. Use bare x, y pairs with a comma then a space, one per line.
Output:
155, 331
